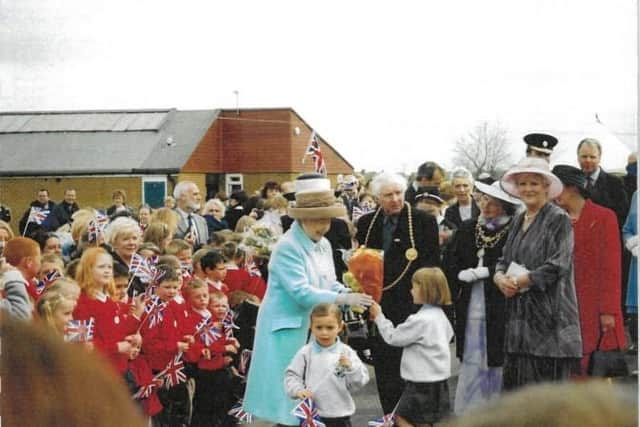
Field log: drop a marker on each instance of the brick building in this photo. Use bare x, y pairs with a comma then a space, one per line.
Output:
146, 152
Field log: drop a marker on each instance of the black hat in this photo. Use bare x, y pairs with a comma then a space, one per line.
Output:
541, 142
571, 177
428, 193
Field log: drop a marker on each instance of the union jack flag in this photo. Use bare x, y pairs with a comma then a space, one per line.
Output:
155, 311
149, 292
48, 279
245, 358
174, 372
79, 330
386, 421
313, 150
228, 325
37, 215
252, 268
209, 334
307, 413
97, 226
238, 412
140, 268
358, 211
145, 391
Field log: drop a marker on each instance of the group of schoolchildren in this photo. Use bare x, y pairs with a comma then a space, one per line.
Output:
173, 345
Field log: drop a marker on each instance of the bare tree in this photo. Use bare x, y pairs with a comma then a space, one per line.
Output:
484, 149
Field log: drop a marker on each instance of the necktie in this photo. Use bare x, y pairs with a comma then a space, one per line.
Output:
192, 227
388, 227
589, 183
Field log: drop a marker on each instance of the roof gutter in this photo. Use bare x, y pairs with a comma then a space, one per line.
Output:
49, 173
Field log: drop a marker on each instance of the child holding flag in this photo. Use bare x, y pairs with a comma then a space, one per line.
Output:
327, 370
426, 358
162, 342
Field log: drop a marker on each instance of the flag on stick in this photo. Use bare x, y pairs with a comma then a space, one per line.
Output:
313, 150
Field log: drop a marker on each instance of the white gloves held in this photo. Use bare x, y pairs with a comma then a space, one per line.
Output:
473, 274
632, 243
354, 299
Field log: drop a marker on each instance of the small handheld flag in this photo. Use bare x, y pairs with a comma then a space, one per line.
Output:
307, 412
313, 150
238, 412
79, 330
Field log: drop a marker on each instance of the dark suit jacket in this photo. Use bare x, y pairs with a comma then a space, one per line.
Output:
452, 214
397, 303
608, 191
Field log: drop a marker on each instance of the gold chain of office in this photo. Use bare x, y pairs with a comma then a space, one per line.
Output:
410, 254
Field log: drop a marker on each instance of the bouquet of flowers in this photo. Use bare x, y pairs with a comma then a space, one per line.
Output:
259, 240
366, 271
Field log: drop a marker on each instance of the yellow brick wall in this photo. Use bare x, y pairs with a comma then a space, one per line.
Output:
253, 182
18, 193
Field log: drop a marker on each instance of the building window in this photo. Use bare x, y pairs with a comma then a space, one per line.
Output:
154, 190
233, 183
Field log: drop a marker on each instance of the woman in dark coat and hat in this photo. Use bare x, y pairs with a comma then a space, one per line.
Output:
479, 305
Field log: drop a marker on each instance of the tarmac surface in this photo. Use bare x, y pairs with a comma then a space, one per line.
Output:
368, 405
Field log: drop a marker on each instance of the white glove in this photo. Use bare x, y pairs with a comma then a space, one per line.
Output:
473, 274
632, 242
354, 299
635, 251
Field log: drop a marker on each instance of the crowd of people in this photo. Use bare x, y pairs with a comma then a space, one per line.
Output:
208, 311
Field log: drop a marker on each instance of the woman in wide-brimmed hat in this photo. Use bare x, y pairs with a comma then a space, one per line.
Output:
597, 265
479, 305
301, 275
535, 274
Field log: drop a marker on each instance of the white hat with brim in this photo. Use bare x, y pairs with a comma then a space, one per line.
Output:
494, 191
532, 165
315, 199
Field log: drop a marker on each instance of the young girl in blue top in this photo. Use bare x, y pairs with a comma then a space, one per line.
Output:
426, 358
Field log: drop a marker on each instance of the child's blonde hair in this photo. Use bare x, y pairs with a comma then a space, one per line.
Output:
326, 309
196, 284
175, 246
433, 285
53, 259
49, 302
65, 286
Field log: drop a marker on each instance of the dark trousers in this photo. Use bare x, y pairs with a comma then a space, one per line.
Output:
386, 363
336, 422
212, 399
175, 407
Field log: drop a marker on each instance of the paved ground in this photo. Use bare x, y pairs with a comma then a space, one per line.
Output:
369, 406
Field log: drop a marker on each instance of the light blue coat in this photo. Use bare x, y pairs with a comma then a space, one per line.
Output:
301, 275
629, 230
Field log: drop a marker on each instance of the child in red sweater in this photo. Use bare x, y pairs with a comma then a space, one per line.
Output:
209, 352
238, 278
162, 341
114, 331
142, 384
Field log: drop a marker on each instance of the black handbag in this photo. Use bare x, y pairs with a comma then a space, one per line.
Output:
607, 363
356, 330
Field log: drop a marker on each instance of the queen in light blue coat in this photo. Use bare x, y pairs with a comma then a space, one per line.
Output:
301, 275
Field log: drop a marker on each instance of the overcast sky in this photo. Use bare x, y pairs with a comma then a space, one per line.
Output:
388, 84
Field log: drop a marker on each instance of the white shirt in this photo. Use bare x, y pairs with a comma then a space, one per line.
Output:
425, 338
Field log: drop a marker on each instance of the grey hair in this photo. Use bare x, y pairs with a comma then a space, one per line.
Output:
461, 172
214, 202
386, 178
118, 226
592, 142
181, 187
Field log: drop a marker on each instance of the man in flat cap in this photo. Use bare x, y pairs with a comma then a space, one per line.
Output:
429, 174
540, 145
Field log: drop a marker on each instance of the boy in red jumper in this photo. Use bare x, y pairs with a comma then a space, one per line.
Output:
212, 399
161, 341
140, 380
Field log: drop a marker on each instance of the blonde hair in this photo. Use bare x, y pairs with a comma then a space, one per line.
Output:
120, 226
53, 259
7, 227
245, 222
277, 202
156, 233
167, 216
80, 223
175, 246
84, 275
433, 285
50, 302
66, 286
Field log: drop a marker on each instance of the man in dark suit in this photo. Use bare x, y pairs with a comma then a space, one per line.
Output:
429, 174
191, 226
409, 239
605, 189
66, 208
